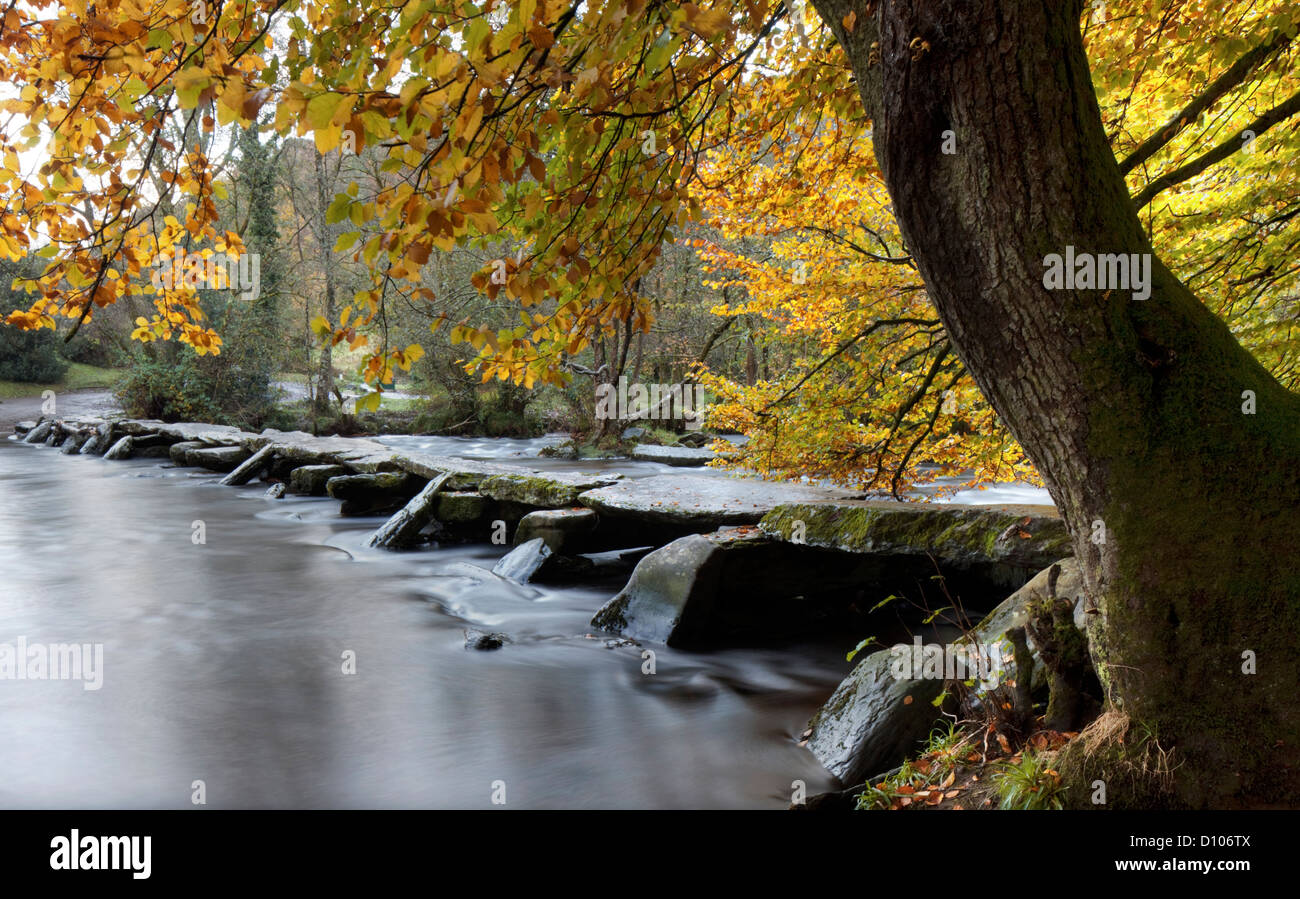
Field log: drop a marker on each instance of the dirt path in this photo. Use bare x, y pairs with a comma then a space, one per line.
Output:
76, 402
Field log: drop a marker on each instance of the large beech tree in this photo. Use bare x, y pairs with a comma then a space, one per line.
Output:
564, 139
1136, 413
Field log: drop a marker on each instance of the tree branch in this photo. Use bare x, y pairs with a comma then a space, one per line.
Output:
1207, 98
1233, 144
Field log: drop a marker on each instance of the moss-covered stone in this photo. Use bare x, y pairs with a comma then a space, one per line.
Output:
462, 507
310, 480
1020, 538
549, 491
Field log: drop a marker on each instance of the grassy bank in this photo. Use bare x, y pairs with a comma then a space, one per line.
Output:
77, 377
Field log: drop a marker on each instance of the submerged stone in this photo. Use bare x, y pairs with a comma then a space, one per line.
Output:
523, 562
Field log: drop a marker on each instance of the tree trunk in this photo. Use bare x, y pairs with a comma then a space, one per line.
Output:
325, 367
1132, 410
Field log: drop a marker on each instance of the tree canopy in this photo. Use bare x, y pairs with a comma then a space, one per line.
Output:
572, 142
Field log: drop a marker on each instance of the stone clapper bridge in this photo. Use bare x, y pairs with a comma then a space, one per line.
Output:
712, 560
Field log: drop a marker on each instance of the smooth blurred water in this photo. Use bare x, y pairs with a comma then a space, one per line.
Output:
223, 663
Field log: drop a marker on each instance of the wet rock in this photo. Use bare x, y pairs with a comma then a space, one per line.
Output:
105, 434
179, 452
485, 640
122, 449
22, 428
403, 529
90, 445
251, 467
523, 562
699, 503
72, 443
560, 529
553, 490
873, 720
275, 491
310, 480
695, 439
217, 458
677, 456
39, 433
373, 493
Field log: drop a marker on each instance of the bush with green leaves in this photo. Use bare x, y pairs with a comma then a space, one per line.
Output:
29, 356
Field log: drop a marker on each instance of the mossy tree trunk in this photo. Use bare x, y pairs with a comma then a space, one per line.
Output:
1132, 410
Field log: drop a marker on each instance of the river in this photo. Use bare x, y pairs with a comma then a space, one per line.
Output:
223, 662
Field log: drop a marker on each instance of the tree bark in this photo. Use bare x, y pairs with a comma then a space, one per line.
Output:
1131, 410
325, 366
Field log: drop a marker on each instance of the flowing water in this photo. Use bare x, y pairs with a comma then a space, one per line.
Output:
223, 662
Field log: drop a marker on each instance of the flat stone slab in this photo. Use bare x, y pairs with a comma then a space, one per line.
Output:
700, 501
678, 456
1030, 537
466, 474
552, 490
212, 435
299, 446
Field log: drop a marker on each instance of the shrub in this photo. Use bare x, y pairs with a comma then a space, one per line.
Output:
168, 391
30, 356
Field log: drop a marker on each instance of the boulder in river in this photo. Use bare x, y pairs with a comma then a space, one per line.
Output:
122, 449
733, 584
39, 433
310, 480
217, 458
179, 452
562, 530
485, 640
373, 493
